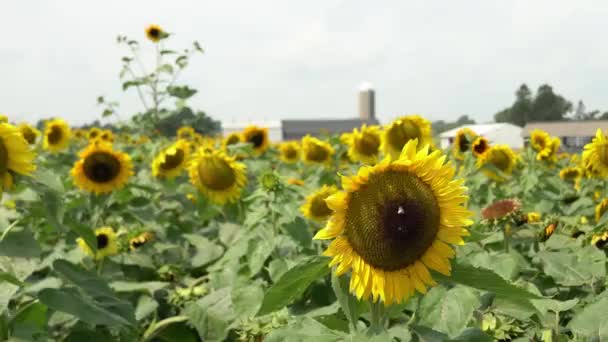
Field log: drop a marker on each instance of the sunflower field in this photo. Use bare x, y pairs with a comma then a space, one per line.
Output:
135, 234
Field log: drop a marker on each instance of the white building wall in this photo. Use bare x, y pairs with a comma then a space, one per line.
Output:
509, 135
275, 130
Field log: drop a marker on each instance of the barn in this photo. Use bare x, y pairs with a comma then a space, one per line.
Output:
496, 133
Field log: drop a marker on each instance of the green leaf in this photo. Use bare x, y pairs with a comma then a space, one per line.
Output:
88, 281
293, 283
145, 307
261, 251
578, 269
131, 286
20, 243
303, 331
9, 278
247, 300
348, 303
591, 321
299, 231
32, 318
181, 92
447, 311
472, 335
276, 269
86, 233
206, 251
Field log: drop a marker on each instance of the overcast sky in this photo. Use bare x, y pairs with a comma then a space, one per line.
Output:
303, 59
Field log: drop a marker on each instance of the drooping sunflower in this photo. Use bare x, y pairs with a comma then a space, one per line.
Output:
155, 33
57, 135
107, 136
217, 176
186, 132
101, 169
480, 146
231, 139
600, 209
600, 240
289, 152
595, 154
394, 221
500, 157
463, 142
15, 155
315, 151
404, 129
314, 206
539, 139
364, 144
549, 153
139, 240
170, 162
29, 133
93, 133
107, 244
547, 232
256, 136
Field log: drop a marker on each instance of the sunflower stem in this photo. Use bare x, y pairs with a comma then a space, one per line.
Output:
377, 318
507, 237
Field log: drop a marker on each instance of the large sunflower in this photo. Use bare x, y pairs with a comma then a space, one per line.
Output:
394, 222
539, 139
315, 151
500, 157
549, 153
256, 136
29, 133
106, 243
57, 135
155, 33
595, 154
404, 129
15, 155
217, 176
289, 151
480, 146
100, 169
170, 162
364, 144
463, 142
315, 207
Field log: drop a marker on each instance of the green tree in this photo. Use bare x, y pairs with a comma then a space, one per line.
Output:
545, 105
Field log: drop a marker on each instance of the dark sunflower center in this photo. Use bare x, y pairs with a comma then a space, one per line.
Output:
603, 154
319, 208
55, 135
233, 139
540, 142
601, 243
368, 144
464, 144
257, 139
317, 153
571, 174
216, 174
291, 153
93, 134
101, 167
29, 135
173, 160
400, 134
480, 147
392, 220
102, 241
3, 158
154, 32
500, 160
136, 243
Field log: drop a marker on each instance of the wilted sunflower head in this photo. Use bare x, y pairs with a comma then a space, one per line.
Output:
315, 151
539, 139
100, 169
600, 209
404, 129
505, 208
463, 142
155, 33
600, 240
186, 132
107, 244
314, 206
547, 232
480, 146
393, 222
140, 240
498, 157
29, 133
57, 135
289, 152
364, 144
257, 137
15, 155
217, 176
170, 162
571, 174
595, 155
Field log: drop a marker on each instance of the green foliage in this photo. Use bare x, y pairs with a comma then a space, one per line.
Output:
545, 105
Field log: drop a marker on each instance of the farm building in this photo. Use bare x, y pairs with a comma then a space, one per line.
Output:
275, 132
573, 134
497, 133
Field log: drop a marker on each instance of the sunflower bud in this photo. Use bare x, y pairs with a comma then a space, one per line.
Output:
546, 233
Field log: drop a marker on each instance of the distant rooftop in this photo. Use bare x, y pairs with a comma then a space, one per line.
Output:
296, 129
567, 128
481, 129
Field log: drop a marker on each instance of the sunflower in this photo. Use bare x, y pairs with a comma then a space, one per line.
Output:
364, 145
546, 233
106, 243
600, 240
463, 142
107, 136
140, 240
256, 136
314, 206
3, 118
186, 132
500, 209
56, 135
549, 153
295, 181
170, 162
404, 129
394, 222
500, 157
315, 151
539, 139
533, 217
93, 133
480, 146
600, 209
29, 133
15, 155
231, 139
595, 154
290, 151
155, 33
217, 176
100, 169
79, 133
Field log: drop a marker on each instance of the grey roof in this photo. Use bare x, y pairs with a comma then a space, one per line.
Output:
567, 128
299, 128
